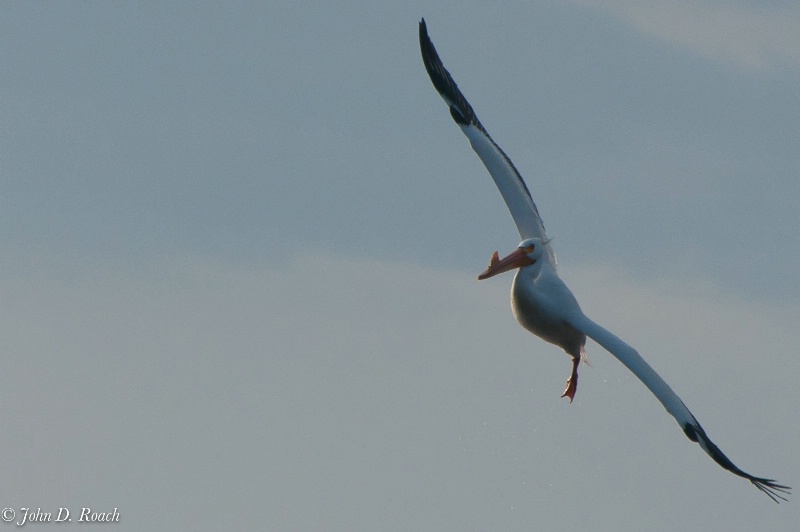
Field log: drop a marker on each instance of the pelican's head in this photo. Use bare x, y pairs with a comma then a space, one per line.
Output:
528, 252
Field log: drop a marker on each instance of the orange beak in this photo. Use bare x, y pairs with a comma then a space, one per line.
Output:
516, 259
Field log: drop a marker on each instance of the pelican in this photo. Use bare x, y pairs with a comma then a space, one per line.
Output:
540, 300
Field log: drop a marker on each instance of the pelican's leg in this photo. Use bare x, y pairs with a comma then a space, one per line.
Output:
572, 382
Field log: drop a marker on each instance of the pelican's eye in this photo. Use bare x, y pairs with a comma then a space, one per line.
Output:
529, 248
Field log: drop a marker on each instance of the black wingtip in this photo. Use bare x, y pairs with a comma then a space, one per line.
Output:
768, 486
772, 489
461, 110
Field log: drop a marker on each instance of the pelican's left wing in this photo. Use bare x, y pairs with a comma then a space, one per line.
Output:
671, 402
513, 189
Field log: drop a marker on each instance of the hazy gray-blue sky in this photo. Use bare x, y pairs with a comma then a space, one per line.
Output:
239, 247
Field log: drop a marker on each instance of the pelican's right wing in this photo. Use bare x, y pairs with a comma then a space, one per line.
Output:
634, 362
513, 189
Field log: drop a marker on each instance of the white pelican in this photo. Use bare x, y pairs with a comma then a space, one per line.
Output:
541, 301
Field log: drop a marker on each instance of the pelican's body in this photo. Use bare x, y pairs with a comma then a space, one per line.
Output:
541, 301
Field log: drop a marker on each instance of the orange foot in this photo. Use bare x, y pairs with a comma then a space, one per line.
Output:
572, 382
572, 386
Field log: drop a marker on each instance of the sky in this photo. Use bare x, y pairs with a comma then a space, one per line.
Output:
240, 243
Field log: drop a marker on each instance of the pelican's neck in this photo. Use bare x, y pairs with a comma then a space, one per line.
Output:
530, 273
